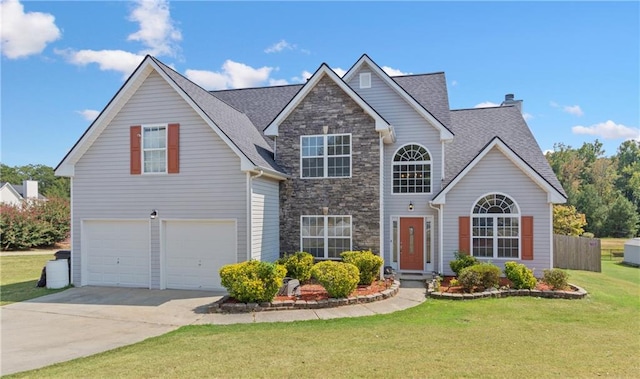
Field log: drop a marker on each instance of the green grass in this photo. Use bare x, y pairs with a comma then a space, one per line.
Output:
18, 277
512, 337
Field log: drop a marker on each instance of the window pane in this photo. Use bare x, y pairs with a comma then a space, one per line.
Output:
483, 247
338, 167
508, 248
313, 246
338, 246
312, 167
154, 161
313, 226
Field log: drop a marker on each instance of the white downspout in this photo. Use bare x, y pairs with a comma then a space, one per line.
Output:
381, 194
250, 211
440, 234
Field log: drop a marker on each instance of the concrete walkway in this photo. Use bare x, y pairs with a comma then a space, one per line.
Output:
84, 321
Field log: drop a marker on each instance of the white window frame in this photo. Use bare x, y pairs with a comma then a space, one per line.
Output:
495, 237
325, 156
365, 80
325, 234
394, 164
165, 149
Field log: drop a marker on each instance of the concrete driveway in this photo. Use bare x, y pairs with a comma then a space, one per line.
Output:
83, 321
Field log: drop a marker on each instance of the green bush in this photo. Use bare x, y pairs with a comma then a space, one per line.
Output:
556, 278
338, 278
253, 281
461, 261
520, 275
485, 275
588, 235
34, 224
298, 265
367, 263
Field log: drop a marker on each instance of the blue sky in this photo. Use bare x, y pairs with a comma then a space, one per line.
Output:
575, 64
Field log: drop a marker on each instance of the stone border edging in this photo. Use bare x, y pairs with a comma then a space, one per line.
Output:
577, 293
280, 305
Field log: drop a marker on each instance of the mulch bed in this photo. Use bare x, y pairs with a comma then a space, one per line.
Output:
312, 290
504, 282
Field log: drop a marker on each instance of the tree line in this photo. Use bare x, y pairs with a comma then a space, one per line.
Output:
49, 185
603, 192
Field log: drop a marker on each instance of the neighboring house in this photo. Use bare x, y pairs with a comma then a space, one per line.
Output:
16, 194
171, 181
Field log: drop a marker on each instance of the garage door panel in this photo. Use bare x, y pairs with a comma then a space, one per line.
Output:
195, 251
116, 252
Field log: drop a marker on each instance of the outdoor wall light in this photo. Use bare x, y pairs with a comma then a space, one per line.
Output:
154, 214
411, 206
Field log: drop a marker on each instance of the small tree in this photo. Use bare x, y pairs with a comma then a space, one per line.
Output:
568, 221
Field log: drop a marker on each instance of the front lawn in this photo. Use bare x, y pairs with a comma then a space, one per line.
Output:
19, 275
511, 337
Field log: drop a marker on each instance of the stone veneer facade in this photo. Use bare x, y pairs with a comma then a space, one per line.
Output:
357, 196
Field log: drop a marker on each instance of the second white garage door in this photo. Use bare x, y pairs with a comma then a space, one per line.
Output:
194, 251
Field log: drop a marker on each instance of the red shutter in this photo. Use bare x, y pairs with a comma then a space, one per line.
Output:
173, 149
464, 234
134, 146
527, 238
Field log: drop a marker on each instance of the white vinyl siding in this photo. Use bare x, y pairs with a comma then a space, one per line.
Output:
495, 173
410, 127
265, 222
210, 184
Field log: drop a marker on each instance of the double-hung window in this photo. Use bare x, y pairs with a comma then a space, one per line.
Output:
326, 156
154, 149
325, 237
496, 228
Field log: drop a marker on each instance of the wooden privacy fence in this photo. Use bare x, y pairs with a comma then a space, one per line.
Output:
576, 253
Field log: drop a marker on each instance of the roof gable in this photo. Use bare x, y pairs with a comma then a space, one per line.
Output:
445, 133
232, 126
553, 195
381, 124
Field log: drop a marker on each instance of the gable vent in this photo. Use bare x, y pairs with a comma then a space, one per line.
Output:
365, 80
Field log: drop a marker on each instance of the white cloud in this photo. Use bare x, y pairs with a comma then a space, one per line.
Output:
157, 33
278, 82
89, 114
232, 75
157, 30
573, 109
527, 116
279, 46
486, 104
608, 130
25, 34
338, 71
394, 72
454, 83
115, 60
304, 76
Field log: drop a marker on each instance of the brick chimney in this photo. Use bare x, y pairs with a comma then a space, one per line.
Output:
30, 189
509, 99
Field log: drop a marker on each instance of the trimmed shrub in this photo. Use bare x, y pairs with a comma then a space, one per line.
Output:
461, 261
520, 275
298, 265
367, 263
556, 278
253, 281
338, 278
485, 275
587, 235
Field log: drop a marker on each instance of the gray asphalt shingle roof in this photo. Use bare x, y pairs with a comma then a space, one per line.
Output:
475, 128
430, 90
233, 123
242, 114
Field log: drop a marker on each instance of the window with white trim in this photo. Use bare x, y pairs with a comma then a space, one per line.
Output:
154, 149
325, 237
495, 228
412, 170
326, 156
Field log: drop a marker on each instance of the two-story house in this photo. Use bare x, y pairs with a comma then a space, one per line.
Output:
171, 181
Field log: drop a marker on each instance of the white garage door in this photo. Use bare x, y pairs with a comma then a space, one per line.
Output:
116, 253
195, 251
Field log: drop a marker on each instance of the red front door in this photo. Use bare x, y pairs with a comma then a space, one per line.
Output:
411, 243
